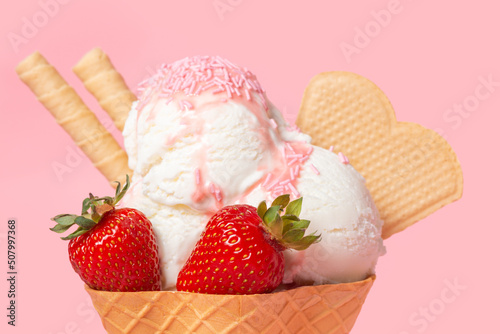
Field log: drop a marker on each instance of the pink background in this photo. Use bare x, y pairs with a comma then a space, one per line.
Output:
427, 58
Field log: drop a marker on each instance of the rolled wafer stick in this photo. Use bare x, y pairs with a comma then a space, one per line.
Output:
106, 84
74, 116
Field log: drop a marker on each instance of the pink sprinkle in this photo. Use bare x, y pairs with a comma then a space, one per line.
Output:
228, 90
259, 87
295, 156
219, 81
143, 82
223, 100
268, 177
284, 182
218, 195
304, 158
253, 85
197, 175
273, 184
264, 101
273, 123
283, 151
233, 80
211, 188
193, 75
218, 90
331, 148
291, 162
290, 147
278, 188
198, 90
296, 171
309, 151
191, 89
294, 190
188, 105
210, 85
165, 93
292, 174
276, 194
227, 62
177, 84
209, 75
314, 169
343, 158
168, 100
187, 81
247, 93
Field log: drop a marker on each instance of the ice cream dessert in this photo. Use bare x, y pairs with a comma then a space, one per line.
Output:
203, 135
338, 108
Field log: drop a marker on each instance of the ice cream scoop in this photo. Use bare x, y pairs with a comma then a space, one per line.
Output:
203, 135
339, 207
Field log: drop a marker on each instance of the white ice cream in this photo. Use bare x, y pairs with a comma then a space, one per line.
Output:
196, 145
340, 208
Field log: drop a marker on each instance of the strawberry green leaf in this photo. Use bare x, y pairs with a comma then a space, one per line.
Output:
60, 228
291, 217
277, 227
261, 210
65, 219
121, 193
287, 225
293, 235
305, 242
294, 207
292, 224
95, 215
108, 200
86, 205
98, 207
118, 188
288, 230
85, 222
75, 234
282, 201
302, 224
271, 214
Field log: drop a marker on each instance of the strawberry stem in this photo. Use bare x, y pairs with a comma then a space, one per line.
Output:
288, 229
98, 206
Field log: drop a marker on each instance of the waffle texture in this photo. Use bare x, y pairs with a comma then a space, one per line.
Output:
410, 171
309, 309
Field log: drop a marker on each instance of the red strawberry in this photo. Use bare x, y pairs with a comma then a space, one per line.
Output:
240, 250
112, 249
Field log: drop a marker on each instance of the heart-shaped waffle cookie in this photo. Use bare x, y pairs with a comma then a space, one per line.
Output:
410, 171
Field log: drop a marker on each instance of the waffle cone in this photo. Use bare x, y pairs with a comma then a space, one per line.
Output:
331, 308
